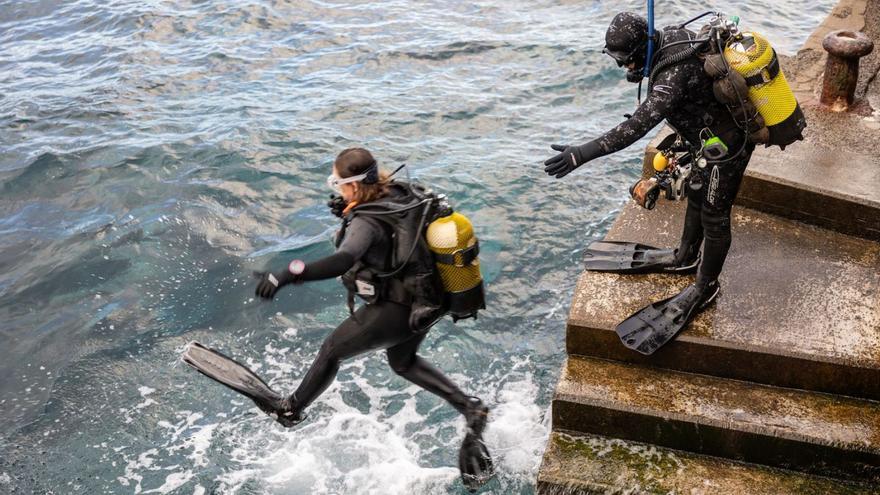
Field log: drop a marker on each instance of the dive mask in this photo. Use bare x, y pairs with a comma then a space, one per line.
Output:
624, 58
334, 182
370, 176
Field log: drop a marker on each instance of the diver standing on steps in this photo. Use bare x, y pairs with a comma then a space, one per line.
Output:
412, 260
703, 84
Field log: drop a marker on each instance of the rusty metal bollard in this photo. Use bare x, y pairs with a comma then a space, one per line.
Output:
844, 48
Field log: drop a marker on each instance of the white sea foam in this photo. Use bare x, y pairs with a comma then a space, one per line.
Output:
133, 468
172, 482
369, 433
353, 453
148, 401
200, 442
518, 431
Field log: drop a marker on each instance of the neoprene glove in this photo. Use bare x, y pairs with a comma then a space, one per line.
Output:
269, 282
337, 205
570, 158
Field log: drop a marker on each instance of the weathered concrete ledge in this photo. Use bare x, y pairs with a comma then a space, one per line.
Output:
807, 431
580, 464
832, 178
800, 305
805, 72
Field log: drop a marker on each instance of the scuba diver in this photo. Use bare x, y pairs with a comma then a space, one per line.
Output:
703, 84
397, 248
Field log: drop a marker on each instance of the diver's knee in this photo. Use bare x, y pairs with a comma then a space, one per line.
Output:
329, 352
716, 221
401, 366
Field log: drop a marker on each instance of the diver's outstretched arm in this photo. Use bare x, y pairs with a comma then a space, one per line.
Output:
359, 236
665, 95
298, 272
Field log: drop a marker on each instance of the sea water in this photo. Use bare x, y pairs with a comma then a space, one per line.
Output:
154, 153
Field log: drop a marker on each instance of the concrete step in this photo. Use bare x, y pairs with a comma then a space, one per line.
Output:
831, 179
579, 464
799, 307
794, 429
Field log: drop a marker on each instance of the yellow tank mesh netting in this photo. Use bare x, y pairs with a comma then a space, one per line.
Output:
447, 235
750, 56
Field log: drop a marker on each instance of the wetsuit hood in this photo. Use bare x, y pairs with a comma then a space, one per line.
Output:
626, 41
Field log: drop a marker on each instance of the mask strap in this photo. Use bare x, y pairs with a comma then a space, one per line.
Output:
372, 174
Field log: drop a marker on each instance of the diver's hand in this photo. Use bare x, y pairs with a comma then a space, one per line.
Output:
269, 283
563, 163
570, 158
337, 205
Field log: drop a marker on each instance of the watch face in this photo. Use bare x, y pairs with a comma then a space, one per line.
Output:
296, 267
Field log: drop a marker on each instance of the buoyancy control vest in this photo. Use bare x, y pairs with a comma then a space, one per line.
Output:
423, 274
747, 78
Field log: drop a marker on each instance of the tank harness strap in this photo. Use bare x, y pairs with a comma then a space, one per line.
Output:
397, 292
394, 290
460, 257
766, 74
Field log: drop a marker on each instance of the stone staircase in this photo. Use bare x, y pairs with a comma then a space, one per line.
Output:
783, 370
775, 388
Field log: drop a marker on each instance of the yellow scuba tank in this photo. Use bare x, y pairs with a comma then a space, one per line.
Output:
451, 239
751, 55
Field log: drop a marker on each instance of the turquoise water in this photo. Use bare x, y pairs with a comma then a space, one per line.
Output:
153, 154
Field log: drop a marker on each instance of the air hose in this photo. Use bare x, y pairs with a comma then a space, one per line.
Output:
704, 14
671, 60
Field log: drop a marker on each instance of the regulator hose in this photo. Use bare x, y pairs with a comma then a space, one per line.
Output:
671, 60
704, 14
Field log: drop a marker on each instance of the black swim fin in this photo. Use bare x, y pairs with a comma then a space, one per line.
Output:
240, 378
653, 326
475, 463
474, 460
631, 257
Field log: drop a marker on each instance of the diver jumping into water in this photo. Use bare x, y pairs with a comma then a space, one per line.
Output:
383, 257
703, 85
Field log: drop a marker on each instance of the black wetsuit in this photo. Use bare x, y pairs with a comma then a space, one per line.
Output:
382, 325
682, 95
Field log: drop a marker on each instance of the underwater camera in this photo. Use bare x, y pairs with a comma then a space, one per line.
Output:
672, 174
